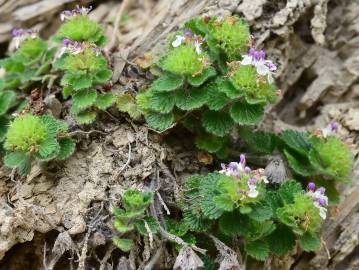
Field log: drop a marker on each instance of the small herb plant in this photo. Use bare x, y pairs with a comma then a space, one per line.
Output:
40, 138
132, 217
85, 68
29, 65
239, 203
208, 76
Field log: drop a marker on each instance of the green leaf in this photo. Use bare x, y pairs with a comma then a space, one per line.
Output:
67, 148
262, 142
14, 159
258, 249
310, 242
191, 99
6, 100
25, 166
301, 166
281, 241
126, 103
159, 121
121, 227
216, 100
297, 141
67, 91
225, 86
162, 102
167, 82
81, 82
85, 117
103, 76
217, 123
204, 76
209, 142
224, 202
288, 190
124, 244
104, 101
260, 212
246, 114
230, 224
245, 209
84, 99
48, 149
152, 224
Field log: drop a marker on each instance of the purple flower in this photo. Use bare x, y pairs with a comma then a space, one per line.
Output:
223, 166
321, 190
67, 42
311, 186
322, 202
247, 170
242, 159
188, 33
233, 166
252, 181
17, 32
334, 126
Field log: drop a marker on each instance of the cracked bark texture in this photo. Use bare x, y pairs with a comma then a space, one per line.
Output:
315, 43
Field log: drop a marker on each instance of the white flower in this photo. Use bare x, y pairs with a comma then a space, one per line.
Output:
197, 45
253, 192
178, 41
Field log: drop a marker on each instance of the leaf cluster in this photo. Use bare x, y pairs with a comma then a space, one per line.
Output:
84, 72
39, 138
206, 86
132, 217
268, 224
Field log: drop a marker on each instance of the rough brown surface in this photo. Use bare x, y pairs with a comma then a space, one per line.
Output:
316, 44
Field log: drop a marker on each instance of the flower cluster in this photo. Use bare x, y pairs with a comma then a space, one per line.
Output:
20, 35
320, 201
76, 47
67, 14
258, 59
189, 38
243, 172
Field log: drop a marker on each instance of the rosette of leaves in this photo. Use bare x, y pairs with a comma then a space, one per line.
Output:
29, 64
309, 155
194, 87
82, 29
40, 138
83, 73
132, 217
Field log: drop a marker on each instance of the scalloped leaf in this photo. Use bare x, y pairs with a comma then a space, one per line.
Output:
162, 102
103, 76
258, 249
216, 100
209, 142
217, 123
6, 100
297, 141
167, 82
67, 148
104, 101
48, 149
202, 78
124, 244
14, 159
246, 114
84, 99
159, 121
301, 165
281, 241
85, 117
310, 242
191, 99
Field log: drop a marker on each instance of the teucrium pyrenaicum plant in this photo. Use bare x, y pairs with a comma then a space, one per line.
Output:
209, 74
40, 138
85, 68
